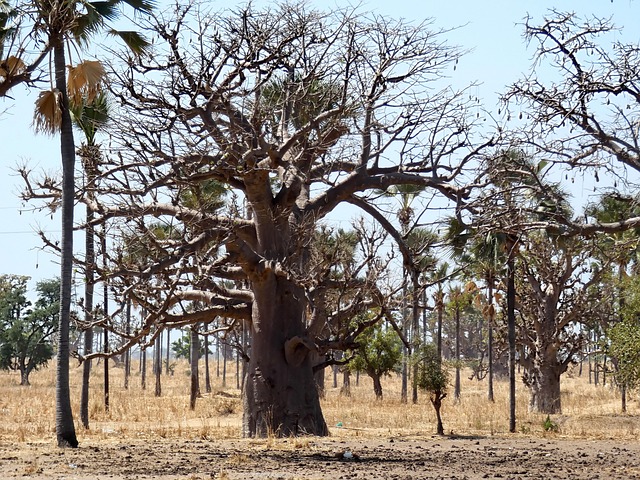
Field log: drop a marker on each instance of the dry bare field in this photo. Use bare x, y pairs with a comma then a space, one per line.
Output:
147, 437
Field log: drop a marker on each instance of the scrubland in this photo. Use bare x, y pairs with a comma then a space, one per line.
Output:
27, 413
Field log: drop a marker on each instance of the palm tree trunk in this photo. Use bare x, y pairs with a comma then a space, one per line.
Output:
405, 350
88, 316
217, 357
166, 371
143, 369
415, 313
490, 395
157, 355
127, 354
207, 374
511, 321
224, 364
456, 393
105, 332
65, 428
440, 308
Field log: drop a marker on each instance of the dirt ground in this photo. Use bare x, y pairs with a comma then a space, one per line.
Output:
328, 458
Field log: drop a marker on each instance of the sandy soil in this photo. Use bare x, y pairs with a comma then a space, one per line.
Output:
330, 458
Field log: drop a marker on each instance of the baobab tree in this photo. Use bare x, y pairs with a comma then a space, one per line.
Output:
584, 117
557, 284
296, 112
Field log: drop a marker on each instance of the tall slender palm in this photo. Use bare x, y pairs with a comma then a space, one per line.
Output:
62, 22
439, 276
406, 194
524, 196
89, 114
484, 254
420, 242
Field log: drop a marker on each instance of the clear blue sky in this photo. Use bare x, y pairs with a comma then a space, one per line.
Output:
489, 29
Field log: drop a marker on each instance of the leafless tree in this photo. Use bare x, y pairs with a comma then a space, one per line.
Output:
295, 112
585, 114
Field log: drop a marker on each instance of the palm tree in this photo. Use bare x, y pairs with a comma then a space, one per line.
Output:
523, 197
62, 22
420, 242
407, 193
484, 254
89, 115
438, 277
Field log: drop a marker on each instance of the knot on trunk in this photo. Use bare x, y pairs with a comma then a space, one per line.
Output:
296, 350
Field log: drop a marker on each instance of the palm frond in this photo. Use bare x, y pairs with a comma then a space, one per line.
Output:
47, 117
88, 25
7, 12
12, 66
108, 10
136, 42
139, 6
90, 116
85, 80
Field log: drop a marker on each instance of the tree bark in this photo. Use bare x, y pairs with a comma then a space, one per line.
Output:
346, 383
436, 401
127, 354
415, 315
105, 332
377, 385
194, 356
405, 350
545, 388
166, 370
24, 377
207, 373
218, 357
456, 393
280, 393
65, 428
511, 327
319, 375
225, 351
440, 308
490, 395
157, 355
143, 369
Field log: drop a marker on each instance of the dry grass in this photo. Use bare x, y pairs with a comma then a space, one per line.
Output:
27, 413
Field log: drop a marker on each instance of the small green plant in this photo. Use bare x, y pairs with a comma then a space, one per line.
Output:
433, 378
549, 425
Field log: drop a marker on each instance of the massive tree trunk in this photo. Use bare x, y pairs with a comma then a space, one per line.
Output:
65, 428
280, 392
544, 384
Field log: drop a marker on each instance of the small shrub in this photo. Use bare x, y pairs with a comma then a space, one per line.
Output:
550, 426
